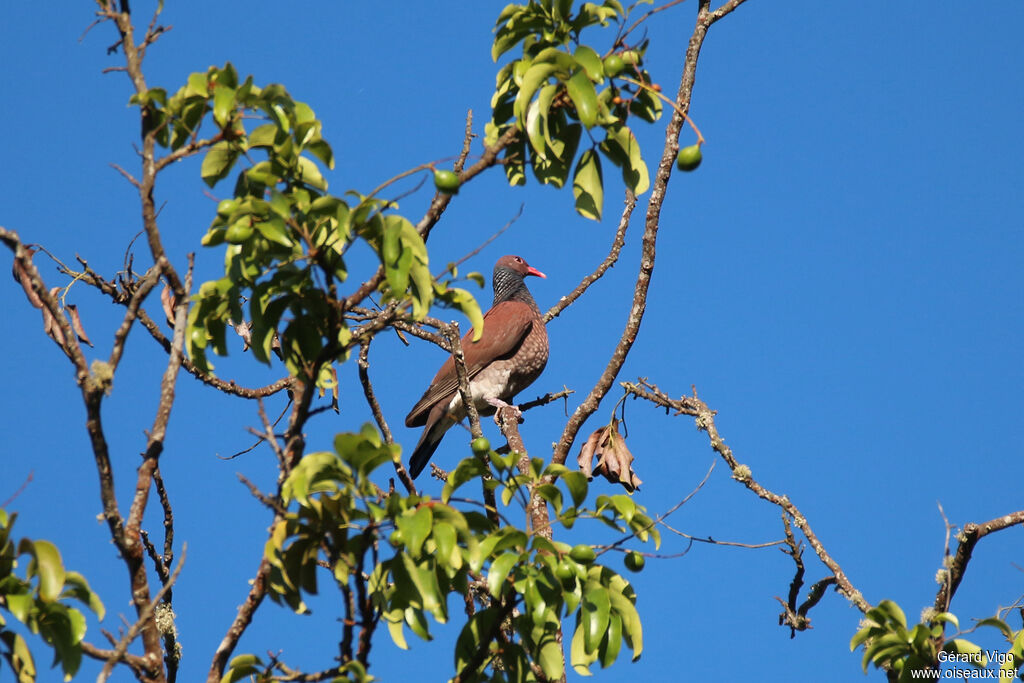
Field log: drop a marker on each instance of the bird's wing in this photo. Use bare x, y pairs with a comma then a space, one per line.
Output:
505, 327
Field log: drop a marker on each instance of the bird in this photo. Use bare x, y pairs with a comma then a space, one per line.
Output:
510, 354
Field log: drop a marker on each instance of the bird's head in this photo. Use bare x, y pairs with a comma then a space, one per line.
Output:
516, 264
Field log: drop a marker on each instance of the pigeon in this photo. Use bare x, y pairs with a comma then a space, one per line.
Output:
510, 354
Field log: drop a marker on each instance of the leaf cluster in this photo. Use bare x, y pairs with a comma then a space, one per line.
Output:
561, 88
888, 643
284, 235
39, 602
408, 553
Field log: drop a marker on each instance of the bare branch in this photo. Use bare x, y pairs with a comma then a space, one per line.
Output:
147, 613
659, 187
705, 418
966, 540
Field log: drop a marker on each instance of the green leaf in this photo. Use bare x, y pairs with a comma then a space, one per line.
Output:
20, 657
77, 587
465, 302
310, 174
197, 85
536, 75
632, 629
240, 667
218, 162
588, 185
551, 659
893, 611
448, 552
579, 656
591, 63
612, 642
474, 635
263, 136
467, 469
514, 161
576, 482
536, 120
415, 527
646, 105
595, 609
582, 93
396, 628
622, 148
498, 572
223, 104
20, 605
47, 564
962, 646
416, 621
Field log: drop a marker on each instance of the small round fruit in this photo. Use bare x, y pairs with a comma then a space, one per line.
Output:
227, 207
689, 158
583, 553
480, 445
396, 539
613, 65
634, 561
630, 56
239, 231
564, 572
446, 181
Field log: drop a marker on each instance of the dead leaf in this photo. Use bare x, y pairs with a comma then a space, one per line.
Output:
50, 325
76, 324
614, 461
167, 301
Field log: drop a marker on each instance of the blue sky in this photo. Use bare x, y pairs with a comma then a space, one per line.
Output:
841, 280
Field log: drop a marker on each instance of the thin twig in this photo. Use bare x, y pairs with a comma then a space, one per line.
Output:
147, 612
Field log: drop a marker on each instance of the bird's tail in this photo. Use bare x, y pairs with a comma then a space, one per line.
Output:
428, 443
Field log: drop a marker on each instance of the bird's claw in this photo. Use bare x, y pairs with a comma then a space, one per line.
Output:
499, 404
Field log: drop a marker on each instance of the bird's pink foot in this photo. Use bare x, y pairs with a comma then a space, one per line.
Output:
499, 404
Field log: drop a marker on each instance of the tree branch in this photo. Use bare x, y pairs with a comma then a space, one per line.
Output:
705, 418
649, 241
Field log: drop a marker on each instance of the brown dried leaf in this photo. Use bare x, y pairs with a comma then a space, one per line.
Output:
614, 461
585, 460
50, 325
76, 324
167, 301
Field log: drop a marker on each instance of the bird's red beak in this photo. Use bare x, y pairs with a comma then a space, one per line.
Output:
530, 270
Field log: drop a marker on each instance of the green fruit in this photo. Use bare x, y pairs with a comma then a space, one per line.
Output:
226, 207
239, 231
564, 572
613, 65
446, 181
634, 561
480, 445
689, 158
630, 56
396, 539
583, 553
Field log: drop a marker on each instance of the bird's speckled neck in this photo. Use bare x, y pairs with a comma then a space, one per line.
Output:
509, 286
